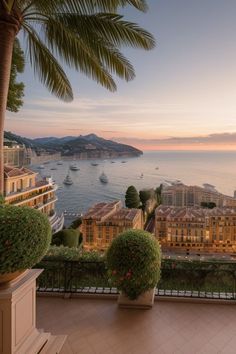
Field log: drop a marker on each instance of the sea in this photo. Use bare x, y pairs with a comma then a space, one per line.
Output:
147, 171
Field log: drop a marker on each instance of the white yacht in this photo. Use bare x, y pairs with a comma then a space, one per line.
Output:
68, 181
103, 178
74, 167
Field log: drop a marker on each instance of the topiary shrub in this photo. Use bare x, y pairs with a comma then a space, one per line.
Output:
25, 235
134, 260
66, 237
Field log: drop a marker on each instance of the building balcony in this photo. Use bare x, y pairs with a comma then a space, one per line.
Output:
188, 317
27, 194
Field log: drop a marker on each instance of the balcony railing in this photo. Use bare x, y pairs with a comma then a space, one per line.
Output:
209, 281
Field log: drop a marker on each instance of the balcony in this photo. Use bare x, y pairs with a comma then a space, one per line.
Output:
194, 309
97, 326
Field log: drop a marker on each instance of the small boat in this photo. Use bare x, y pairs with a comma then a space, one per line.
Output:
123, 161
103, 178
41, 167
53, 168
94, 164
113, 162
157, 168
68, 181
59, 163
141, 176
74, 167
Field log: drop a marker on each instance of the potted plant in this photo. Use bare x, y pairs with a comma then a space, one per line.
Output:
134, 260
25, 238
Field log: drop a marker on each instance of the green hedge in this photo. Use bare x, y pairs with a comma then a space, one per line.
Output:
25, 235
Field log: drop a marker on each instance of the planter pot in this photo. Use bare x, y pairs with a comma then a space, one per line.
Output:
144, 301
7, 279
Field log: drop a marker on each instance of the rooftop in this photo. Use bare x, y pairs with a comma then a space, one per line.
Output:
98, 326
193, 212
17, 171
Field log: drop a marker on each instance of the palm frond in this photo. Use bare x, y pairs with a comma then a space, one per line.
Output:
76, 53
111, 28
84, 6
46, 66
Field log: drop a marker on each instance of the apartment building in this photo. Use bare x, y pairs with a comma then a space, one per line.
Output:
181, 195
21, 188
104, 221
196, 229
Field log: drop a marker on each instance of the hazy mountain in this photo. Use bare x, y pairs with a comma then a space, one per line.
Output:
87, 146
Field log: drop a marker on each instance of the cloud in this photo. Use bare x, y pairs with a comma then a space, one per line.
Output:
211, 139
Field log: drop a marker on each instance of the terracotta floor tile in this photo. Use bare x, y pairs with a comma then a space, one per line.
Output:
99, 327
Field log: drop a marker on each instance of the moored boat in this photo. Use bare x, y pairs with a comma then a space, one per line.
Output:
68, 181
103, 178
74, 167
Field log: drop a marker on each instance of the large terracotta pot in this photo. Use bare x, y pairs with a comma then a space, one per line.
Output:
144, 301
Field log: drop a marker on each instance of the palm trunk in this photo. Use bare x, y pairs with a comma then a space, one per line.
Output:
7, 35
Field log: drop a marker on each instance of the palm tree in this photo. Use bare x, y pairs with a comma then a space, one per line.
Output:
84, 34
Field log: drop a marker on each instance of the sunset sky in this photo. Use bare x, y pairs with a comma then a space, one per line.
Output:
183, 96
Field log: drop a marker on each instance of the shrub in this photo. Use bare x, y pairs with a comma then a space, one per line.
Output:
73, 254
64, 253
134, 260
76, 223
25, 237
66, 237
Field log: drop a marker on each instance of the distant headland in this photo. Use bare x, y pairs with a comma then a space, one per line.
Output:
88, 146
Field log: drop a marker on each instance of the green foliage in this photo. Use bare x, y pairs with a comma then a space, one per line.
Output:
73, 254
2, 200
64, 253
16, 89
85, 35
144, 195
209, 205
132, 198
25, 237
66, 237
76, 223
134, 260
158, 194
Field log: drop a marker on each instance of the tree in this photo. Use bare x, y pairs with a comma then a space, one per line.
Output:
144, 195
158, 194
16, 89
85, 35
132, 198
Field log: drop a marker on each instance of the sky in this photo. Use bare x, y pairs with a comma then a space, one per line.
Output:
183, 96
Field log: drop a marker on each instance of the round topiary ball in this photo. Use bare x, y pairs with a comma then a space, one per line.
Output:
134, 260
25, 235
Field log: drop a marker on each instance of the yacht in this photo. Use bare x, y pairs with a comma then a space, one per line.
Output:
68, 180
74, 167
41, 167
103, 178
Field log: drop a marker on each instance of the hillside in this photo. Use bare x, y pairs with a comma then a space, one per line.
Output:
87, 146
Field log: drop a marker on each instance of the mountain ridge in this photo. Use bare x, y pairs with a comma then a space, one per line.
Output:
89, 145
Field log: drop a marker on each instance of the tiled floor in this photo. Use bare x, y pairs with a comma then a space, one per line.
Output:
100, 327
